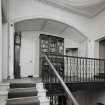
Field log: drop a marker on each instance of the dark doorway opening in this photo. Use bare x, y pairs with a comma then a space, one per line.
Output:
72, 51
102, 49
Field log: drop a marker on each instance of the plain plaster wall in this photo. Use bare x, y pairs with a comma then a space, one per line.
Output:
69, 43
98, 26
82, 46
35, 52
83, 49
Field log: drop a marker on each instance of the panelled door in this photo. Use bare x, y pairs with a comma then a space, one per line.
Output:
26, 54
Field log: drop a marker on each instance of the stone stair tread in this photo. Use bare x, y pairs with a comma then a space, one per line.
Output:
22, 85
23, 92
26, 92
24, 101
19, 90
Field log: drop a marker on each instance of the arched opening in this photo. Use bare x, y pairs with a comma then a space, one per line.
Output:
27, 46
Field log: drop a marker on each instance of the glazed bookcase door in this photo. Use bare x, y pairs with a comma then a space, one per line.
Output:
51, 45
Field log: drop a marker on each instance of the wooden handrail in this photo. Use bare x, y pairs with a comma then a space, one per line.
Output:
77, 57
70, 95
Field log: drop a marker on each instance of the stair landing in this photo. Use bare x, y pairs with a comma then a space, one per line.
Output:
25, 80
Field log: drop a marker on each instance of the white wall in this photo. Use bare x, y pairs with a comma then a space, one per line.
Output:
83, 49
98, 26
5, 51
69, 43
82, 46
28, 9
34, 54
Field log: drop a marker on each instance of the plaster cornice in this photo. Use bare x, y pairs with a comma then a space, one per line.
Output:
79, 7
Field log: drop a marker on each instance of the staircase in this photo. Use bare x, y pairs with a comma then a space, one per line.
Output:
27, 93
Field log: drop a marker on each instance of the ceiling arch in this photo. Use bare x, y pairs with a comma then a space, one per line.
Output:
50, 26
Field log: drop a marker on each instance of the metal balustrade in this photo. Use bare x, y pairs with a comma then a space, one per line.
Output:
68, 92
74, 69
71, 70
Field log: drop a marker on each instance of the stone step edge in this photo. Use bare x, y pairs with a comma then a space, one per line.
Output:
21, 98
22, 88
41, 99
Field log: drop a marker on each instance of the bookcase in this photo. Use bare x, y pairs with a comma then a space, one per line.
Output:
51, 46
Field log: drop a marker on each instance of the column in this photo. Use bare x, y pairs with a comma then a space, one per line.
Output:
11, 50
0, 43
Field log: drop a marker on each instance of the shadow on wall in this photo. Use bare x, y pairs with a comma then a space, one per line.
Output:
99, 103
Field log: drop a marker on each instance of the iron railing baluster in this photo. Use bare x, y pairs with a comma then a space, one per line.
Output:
74, 69
70, 95
77, 69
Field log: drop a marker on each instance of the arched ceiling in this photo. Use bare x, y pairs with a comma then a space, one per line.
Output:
50, 26
88, 8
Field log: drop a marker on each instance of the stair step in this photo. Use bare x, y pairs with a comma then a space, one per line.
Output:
27, 92
24, 101
22, 85
22, 92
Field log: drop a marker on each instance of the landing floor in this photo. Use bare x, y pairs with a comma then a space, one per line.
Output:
24, 80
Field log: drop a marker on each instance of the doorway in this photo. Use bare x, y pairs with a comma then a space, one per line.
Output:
23, 54
27, 55
102, 49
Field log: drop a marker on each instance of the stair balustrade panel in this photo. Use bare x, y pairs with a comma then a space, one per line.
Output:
75, 69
